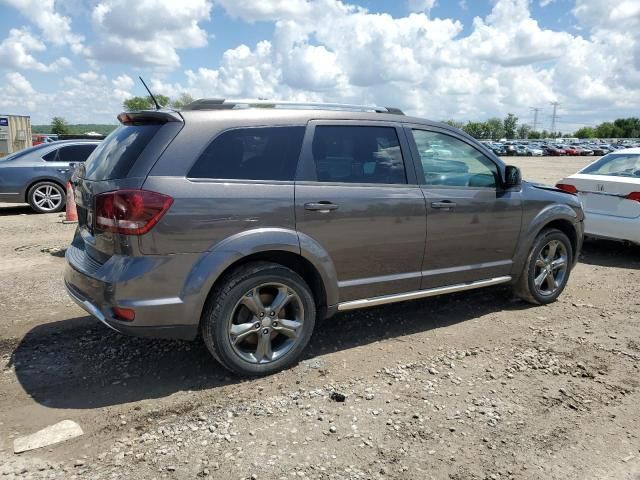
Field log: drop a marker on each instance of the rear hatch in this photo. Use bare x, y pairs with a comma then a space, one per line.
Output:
121, 162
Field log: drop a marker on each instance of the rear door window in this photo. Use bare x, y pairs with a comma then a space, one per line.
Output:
70, 154
257, 153
358, 154
116, 154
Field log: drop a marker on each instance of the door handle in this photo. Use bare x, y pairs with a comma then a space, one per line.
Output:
445, 204
322, 207
63, 170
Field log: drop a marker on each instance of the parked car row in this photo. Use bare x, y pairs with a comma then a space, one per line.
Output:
538, 149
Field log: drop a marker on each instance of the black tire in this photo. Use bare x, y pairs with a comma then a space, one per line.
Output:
221, 309
35, 199
526, 287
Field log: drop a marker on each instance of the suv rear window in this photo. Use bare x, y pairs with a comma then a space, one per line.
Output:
115, 156
257, 153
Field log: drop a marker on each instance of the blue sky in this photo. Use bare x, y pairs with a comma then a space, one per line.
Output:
461, 59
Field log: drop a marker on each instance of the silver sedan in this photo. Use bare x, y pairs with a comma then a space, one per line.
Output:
38, 175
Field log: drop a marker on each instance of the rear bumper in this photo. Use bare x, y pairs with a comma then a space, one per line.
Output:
609, 226
184, 332
136, 283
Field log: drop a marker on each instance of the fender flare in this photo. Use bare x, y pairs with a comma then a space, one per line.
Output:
214, 262
550, 213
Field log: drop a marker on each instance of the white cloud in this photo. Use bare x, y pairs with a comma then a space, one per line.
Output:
16, 53
56, 28
421, 5
160, 28
329, 50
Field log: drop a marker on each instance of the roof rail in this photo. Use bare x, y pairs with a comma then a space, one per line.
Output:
222, 104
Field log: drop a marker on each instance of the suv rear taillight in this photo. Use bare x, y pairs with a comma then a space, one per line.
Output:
130, 212
565, 187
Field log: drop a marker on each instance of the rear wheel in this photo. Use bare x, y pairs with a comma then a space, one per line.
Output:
259, 320
46, 197
547, 269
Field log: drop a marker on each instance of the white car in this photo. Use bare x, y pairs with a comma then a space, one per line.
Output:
610, 192
534, 151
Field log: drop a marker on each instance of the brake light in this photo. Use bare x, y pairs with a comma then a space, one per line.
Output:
633, 196
126, 314
130, 212
565, 187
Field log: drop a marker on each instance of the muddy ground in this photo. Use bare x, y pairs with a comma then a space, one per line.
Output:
468, 386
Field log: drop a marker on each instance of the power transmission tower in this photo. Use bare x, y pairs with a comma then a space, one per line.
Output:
554, 117
535, 118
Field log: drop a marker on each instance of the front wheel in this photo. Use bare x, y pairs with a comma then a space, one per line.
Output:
259, 320
547, 269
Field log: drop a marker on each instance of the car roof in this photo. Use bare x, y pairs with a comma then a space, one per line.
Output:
72, 140
626, 150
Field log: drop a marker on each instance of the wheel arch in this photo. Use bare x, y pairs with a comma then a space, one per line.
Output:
275, 245
559, 216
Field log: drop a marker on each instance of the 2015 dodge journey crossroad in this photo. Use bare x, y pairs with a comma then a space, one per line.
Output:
245, 222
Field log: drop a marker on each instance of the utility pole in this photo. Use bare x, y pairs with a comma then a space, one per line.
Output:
554, 117
535, 118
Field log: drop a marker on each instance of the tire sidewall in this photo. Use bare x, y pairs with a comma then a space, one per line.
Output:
220, 318
32, 202
541, 241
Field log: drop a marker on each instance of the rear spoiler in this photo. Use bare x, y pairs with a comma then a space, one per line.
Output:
149, 117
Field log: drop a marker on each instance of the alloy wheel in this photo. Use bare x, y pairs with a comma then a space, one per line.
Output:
47, 198
551, 268
266, 323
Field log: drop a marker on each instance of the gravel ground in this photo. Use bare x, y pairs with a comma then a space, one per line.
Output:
476, 385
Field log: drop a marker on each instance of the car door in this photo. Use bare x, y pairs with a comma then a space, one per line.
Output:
62, 161
473, 224
357, 198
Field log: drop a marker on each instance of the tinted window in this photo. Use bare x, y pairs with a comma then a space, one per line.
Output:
449, 161
616, 164
262, 153
70, 154
117, 153
358, 155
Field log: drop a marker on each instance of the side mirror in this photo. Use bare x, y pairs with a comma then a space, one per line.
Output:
512, 177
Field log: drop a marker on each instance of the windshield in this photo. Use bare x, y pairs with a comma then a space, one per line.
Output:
22, 153
617, 165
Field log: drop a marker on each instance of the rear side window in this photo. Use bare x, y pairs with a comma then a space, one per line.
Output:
260, 153
70, 154
356, 154
117, 153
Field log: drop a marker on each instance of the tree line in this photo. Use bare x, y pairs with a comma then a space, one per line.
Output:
496, 128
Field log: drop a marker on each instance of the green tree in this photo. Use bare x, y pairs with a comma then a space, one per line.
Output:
510, 125
144, 103
475, 129
495, 128
585, 132
628, 127
605, 130
59, 126
181, 101
454, 124
523, 131
533, 135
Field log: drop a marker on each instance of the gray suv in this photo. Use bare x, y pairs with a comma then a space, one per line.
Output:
247, 222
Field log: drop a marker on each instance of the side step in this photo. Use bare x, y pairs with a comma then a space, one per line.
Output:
431, 292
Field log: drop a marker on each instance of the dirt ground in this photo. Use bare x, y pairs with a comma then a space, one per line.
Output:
476, 385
